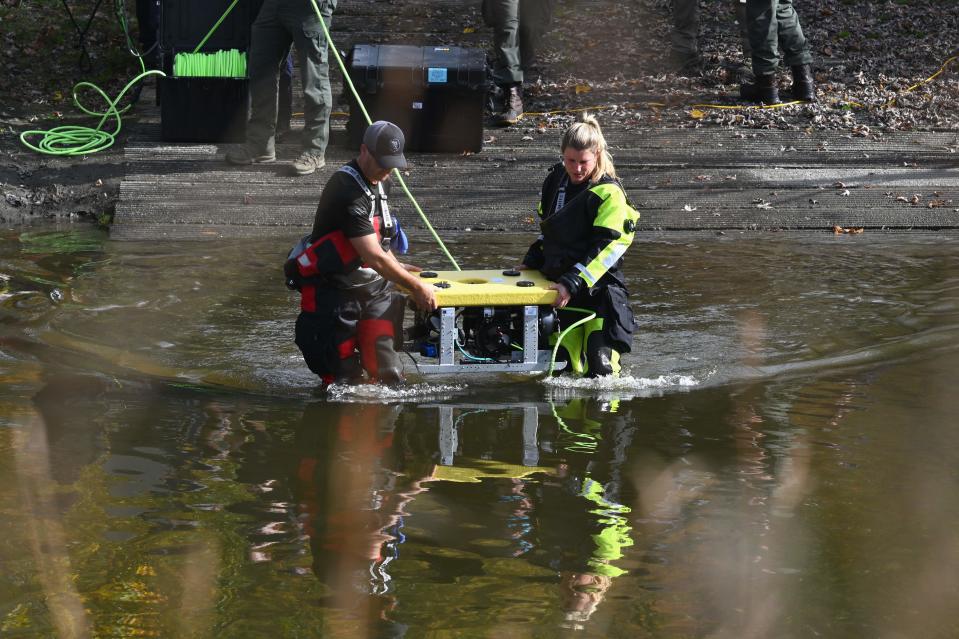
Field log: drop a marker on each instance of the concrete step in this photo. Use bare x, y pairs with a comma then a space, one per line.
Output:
448, 207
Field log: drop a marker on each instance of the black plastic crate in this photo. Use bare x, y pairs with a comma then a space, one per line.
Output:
435, 94
203, 109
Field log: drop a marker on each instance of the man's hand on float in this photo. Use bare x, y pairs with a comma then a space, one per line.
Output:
425, 296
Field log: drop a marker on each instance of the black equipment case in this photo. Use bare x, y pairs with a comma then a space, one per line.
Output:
435, 94
203, 109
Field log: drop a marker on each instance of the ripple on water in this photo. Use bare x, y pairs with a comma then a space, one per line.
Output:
391, 393
625, 383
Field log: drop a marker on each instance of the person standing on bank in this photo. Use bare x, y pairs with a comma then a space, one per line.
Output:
279, 24
685, 57
518, 26
587, 223
350, 315
774, 28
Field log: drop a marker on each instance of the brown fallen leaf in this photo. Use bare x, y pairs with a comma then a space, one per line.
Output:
850, 230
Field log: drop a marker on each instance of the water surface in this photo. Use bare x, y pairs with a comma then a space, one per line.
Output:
779, 459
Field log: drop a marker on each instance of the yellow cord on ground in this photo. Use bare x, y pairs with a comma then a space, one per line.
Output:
741, 107
746, 107
922, 82
366, 116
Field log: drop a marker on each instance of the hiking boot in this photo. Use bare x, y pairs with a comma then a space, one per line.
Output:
308, 162
512, 106
763, 90
687, 65
737, 71
242, 156
803, 88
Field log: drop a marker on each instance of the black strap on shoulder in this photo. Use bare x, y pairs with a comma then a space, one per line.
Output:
379, 198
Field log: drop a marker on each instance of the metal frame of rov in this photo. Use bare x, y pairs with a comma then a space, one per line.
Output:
481, 318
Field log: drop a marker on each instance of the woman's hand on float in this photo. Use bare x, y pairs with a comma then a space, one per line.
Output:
562, 295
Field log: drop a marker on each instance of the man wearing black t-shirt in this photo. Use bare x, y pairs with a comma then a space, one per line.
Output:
350, 315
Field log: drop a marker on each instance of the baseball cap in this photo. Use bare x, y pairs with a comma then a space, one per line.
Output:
385, 141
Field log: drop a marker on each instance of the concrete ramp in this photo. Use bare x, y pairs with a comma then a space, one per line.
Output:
679, 178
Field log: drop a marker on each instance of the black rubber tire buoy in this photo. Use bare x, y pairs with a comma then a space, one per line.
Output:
442, 284
427, 274
524, 283
512, 272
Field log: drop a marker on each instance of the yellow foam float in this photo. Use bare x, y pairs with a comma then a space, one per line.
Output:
490, 288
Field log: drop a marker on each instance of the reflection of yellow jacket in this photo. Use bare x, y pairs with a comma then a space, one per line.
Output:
615, 529
614, 535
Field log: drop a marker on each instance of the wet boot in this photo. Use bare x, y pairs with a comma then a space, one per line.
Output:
512, 106
763, 89
803, 88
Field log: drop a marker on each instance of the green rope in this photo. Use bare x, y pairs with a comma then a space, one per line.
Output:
215, 26
366, 115
81, 140
590, 315
119, 10
230, 63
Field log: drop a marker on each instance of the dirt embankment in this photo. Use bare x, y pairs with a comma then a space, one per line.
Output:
40, 62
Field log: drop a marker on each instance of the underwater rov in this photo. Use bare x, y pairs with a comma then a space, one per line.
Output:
486, 321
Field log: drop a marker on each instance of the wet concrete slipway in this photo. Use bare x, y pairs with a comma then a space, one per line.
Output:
778, 458
709, 178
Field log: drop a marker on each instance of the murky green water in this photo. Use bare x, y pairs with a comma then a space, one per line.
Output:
781, 460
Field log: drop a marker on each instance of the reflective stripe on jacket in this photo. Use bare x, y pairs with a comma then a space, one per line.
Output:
587, 237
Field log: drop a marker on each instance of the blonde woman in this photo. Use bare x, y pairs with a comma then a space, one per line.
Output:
587, 224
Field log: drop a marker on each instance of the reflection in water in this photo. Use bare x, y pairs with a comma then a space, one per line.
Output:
362, 468
352, 489
780, 463
46, 537
357, 497
596, 436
